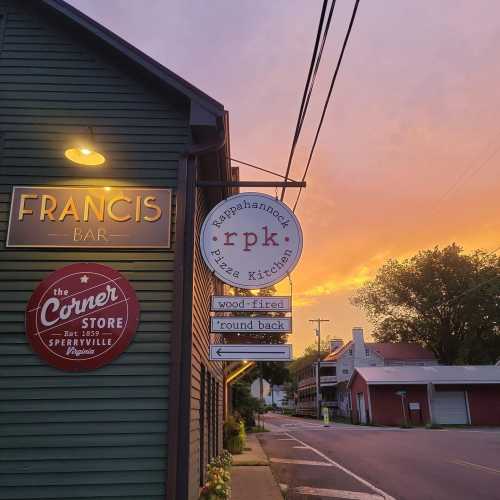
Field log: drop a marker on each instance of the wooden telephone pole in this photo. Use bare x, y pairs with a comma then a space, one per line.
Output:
318, 378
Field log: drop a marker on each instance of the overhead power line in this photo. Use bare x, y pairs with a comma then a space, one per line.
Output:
327, 101
304, 103
261, 169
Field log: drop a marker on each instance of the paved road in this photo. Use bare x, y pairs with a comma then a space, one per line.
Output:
361, 463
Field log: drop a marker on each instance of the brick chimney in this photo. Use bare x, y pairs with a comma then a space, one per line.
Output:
359, 346
336, 344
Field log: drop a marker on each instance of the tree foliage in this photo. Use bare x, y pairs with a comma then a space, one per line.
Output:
275, 372
310, 355
443, 299
256, 338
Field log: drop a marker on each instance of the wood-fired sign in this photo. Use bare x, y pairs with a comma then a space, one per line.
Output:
90, 217
82, 316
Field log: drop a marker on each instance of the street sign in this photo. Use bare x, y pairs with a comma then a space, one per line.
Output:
233, 303
251, 240
258, 324
250, 352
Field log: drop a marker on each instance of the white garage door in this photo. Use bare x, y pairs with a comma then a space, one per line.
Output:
449, 407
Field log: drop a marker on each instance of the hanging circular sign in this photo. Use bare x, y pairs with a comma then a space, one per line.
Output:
82, 316
251, 240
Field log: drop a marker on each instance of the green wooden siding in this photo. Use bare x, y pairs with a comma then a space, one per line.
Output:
204, 286
100, 434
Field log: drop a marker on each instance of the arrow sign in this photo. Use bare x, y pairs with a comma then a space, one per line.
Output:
241, 324
251, 352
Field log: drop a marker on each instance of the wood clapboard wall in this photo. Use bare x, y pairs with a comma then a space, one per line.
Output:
99, 434
204, 286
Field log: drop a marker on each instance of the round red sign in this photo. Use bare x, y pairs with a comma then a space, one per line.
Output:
82, 316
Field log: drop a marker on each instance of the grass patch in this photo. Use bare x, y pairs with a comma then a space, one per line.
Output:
258, 428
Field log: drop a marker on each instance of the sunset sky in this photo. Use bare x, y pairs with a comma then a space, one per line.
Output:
409, 154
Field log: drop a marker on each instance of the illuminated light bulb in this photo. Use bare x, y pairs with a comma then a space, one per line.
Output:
85, 156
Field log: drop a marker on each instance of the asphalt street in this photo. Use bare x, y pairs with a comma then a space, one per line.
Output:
371, 463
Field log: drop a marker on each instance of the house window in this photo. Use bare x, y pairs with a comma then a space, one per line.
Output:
367, 352
345, 371
201, 424
350, 352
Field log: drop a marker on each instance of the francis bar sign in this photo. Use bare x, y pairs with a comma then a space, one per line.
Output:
82, 316
251, 240
89, 217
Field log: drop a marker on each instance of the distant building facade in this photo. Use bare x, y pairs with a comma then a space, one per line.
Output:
418, 395
338, 366
274, 395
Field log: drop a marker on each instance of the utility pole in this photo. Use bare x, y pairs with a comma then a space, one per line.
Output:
318, 378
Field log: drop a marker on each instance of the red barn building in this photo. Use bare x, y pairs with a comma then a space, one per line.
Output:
395, 395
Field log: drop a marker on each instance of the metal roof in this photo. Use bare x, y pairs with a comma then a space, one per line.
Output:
402, 351
439, 374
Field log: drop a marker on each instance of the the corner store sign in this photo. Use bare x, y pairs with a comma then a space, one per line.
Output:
251, 240
82, 316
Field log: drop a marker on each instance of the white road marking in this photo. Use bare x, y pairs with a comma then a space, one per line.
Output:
475, 466
351, 495
301, 447
299, 462
382, 493
286, 439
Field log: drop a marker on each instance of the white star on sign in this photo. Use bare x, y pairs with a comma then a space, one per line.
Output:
84, 279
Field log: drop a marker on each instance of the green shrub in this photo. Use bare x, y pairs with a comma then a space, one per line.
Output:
234, 435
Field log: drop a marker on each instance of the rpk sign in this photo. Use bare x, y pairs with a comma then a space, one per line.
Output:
251, 240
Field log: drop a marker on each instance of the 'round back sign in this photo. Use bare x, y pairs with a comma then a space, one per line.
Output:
251, 240
82, 316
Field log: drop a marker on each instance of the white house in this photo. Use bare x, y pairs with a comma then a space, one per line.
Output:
338, 366
276, 396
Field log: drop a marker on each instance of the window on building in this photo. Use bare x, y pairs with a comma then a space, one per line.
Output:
209, 415
345, 371
201, 417
350, 352
367, 352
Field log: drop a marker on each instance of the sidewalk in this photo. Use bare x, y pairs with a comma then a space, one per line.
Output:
251, 476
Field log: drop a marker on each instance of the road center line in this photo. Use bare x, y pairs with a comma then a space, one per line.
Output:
475, 466
382, 493
323, 492
293, 461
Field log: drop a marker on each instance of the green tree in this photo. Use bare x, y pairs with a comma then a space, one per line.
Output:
256, 338
445, 300
276, 373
